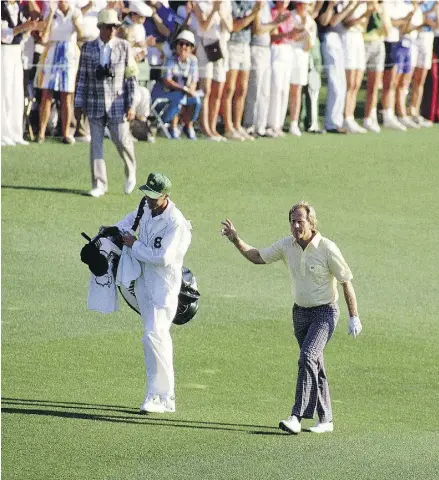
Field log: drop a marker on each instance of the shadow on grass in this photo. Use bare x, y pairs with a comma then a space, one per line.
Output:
72, 410
47, 189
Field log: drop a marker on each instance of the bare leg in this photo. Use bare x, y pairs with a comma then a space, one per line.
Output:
401, 93
66, 112
373, 83
353, 83
419, 77
239, 98
206, 84
389, 85
45, 107
226, 102
215, 96
295, 102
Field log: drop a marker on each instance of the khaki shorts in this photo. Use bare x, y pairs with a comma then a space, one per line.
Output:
215, 70
375, 56
239, 56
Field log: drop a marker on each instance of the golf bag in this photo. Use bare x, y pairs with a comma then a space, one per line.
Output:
100, 261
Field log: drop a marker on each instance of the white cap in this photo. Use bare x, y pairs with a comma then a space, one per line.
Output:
140, 8
186, 35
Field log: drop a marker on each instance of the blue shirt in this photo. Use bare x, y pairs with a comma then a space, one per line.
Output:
426, 7
184, 73
242, 9
169, 20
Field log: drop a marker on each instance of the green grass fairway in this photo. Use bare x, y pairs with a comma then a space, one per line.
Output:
73, 380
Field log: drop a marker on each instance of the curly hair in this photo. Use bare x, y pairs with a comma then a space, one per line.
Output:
310, 213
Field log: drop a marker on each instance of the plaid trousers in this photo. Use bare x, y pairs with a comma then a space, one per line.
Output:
313, 328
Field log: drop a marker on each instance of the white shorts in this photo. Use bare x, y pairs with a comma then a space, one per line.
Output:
239, 56
422, 50
300, 67
215, 70
354, 51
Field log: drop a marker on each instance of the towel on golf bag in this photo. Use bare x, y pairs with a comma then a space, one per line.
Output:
129, 268
102, 291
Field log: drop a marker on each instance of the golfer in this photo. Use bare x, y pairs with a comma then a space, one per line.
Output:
315, 264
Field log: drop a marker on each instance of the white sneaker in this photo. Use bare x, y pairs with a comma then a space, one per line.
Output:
291, 425
280, 133
327, 427
169, 403
234, 135
393, 123
351, 126
422, 122
129, 186
8, 141
85, 139
270, 133
408, 122
246, 135
371, 124
97, 192
295, 130
152, 404
20, 141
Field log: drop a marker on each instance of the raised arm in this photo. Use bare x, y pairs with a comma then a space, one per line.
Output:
241, 23
250, 253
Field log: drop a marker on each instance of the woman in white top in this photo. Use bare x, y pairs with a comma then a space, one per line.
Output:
305, 33
12, 93
59, 64
215, 23
355, 62
423, 55
408, 35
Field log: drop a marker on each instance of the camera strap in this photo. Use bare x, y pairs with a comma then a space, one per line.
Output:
139, 215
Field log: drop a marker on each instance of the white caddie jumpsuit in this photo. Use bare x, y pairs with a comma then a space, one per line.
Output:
161, 246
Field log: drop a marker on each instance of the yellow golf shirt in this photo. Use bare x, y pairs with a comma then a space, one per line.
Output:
314, 271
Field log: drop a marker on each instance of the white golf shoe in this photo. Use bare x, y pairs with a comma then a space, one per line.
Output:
371, 124
169, 403
291, 425
408, 122
393, 123
295, 130
152, 404
326, 427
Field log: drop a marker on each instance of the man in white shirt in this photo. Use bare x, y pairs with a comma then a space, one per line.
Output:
163, 240
315, 265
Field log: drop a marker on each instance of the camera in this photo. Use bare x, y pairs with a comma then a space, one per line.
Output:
103, 72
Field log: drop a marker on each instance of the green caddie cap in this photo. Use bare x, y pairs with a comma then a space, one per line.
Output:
156, 185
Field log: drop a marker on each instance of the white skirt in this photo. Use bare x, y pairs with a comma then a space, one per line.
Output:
58, 66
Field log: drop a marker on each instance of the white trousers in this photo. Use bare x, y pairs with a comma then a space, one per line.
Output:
281, 65
258, 95
12, 101
333, 61
157, 344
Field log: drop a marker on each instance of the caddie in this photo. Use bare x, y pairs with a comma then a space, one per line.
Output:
164, 236
105, 92
315, 265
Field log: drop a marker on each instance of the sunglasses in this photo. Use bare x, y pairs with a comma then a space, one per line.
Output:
184, 44
110, 27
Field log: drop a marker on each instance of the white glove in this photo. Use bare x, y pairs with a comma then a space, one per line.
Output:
355, 326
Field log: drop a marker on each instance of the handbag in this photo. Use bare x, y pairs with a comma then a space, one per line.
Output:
213, 51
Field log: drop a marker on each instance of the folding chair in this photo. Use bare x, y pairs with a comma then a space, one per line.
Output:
158, 109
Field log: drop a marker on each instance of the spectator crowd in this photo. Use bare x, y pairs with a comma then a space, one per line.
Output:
227, 69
